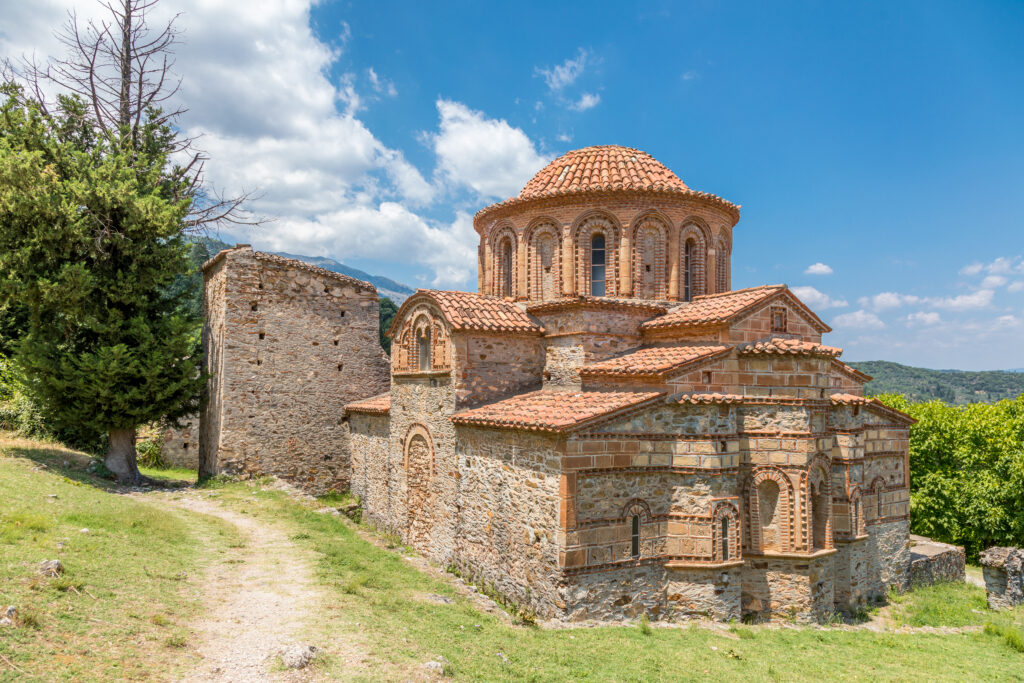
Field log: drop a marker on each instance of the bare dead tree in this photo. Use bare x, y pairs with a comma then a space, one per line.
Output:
124, 70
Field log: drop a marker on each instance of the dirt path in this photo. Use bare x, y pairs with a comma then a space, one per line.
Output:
257, 600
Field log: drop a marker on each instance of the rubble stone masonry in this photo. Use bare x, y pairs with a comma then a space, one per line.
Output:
287, 345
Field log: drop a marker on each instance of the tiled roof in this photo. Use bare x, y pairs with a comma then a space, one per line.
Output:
603, 167
655, 360
468, 311
850, 370
873, 404
654, 307
713, 309
702, 399
552, 410
795, 347
377, 405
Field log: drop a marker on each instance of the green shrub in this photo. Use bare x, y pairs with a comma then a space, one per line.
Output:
151, 453
966, 472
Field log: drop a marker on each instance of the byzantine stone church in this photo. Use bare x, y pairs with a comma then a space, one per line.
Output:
607, 429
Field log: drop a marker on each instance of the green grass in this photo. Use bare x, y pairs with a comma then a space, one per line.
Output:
130, 583
377, 603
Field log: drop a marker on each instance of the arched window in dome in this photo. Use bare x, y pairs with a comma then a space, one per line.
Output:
689, 269
505, 267
722, 266
649, 260
597, 265
543, 263
423, 350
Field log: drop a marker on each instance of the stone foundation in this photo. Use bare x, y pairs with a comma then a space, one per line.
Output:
788, 587
934, 562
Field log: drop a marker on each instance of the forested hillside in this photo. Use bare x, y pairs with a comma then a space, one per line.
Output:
952, 386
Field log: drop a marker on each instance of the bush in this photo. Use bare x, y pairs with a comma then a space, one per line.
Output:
150, 453
966, 472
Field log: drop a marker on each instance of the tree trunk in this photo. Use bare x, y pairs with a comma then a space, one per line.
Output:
121, 457
125, 99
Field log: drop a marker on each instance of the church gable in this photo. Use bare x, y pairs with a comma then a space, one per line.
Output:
780, 315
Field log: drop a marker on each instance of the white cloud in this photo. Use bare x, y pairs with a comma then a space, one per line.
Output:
858, 320
973, 269
993, 281
965, 302
690, 75
922, 318
818, 300
564, 74
818, 268
1008, 322
1000, 266
585, 102
488, 155
387, 232
1016, 286
381, 86
888, 300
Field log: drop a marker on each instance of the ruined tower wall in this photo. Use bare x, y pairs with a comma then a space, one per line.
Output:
287, 346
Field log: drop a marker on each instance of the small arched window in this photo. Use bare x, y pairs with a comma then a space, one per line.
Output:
689, 270
635, 536
597, 266
506, 267
423, 349
725, 539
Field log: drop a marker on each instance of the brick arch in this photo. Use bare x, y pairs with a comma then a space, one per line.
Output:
877, 489
583, 230
543, 282
420, 469
649, 256
504, 268
696, 231
786, 503
636, 506
856, 498
421, 321
817, 477
726, 510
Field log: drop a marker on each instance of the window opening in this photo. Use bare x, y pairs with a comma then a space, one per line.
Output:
635, 551
506, 267
424, 352
725, 539
597, 266
688, 271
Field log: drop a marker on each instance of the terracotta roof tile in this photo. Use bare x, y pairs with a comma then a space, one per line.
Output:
795, 347
469, 311
553, 411
654, 307
850, 370
655, 360
714, 308
606, 168
872, 404
603, 167
702, 399
377, 405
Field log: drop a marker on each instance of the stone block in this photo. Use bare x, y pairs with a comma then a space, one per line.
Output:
1003, 569
935, 562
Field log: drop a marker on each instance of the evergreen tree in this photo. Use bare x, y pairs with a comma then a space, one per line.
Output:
91, 240
388, 309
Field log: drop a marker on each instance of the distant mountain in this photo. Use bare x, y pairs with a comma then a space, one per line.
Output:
952, 386
393, 290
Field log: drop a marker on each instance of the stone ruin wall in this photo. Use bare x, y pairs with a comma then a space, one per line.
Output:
288, 346
180, 445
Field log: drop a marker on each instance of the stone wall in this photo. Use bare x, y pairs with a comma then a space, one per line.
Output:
287, 346
1003, 570
934, 562
797, 587
180, 447
372, 465
493, 366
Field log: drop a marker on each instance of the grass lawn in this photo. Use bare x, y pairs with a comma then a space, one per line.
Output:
379, 602
122, 608
130, 583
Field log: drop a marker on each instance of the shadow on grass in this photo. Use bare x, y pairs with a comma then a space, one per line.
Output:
80, 467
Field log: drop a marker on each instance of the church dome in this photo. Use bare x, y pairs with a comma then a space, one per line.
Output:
602, 167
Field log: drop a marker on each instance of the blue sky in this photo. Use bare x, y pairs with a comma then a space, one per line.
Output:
880, 140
